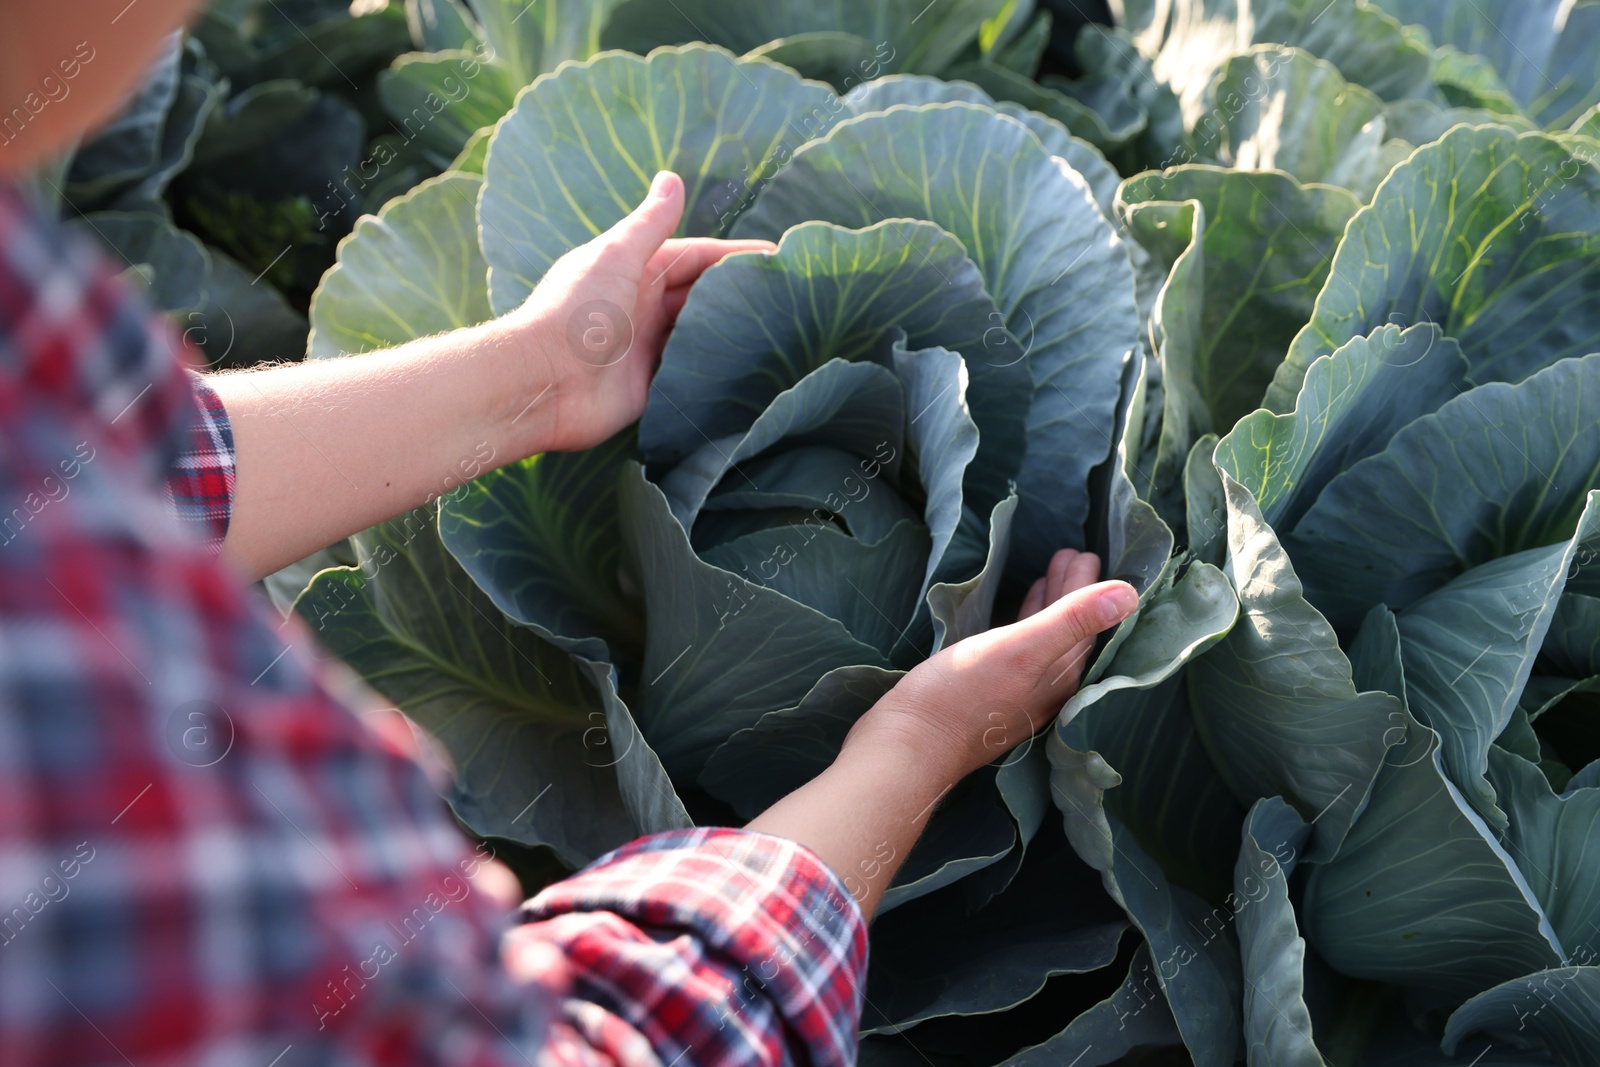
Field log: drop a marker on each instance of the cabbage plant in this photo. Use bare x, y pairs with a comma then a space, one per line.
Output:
1327, 398
852, 448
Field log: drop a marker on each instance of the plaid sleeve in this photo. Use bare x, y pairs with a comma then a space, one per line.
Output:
717, 947
199, 488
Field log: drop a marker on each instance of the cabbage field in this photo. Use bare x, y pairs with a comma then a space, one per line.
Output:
1289, 309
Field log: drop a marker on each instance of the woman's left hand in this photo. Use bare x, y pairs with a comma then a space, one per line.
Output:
595, 326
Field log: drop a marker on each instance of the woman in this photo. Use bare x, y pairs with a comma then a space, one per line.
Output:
303, 898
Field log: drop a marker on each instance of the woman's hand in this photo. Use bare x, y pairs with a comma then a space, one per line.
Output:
596, 324
330, 447
966, 706
980, 697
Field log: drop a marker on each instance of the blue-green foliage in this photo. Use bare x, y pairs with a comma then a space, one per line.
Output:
1329, 797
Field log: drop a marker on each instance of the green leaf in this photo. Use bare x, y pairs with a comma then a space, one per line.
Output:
1196, 965
1255, 250
173, 264
1403, 1045
438, 25
1497, 470
1351, 406
1492, 235
962, 609
1587, 124
243, 323
1192, 38
1131, 1018
443, 98
972, 833
580, 148
913, 38
1125, 746
1550, 837
1277, 1024
542, 540
1024, 52
1122, 87
914, 90
1470, 646
871, 589
319, 52
944, 442
1543, 49
1137, 544
1558, 1009
1205, 503
806, 478
857, 408
412, 270
840, 59
128, 147
1275, 108
473, 155
1058, 274
533, 37
1421, 122
1468, 80
756, 325
761, 764
544, 750
1420, 892
211, 298
1572, 647
1053, 919
1276, 703
720, 651
1109, 133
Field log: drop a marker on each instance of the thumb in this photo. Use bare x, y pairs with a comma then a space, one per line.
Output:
637, 237
1074, 619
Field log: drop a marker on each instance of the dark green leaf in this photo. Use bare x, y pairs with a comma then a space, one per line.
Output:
544, 750
579, 150
412, 270
1276, 702
1277, 1024
442, 98
1058, 274
720, 651
1497, 470
541, 538
1350, 407
914, 38
1557, 1008
1492, 235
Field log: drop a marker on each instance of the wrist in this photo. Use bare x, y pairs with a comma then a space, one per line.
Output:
517, 383
897, 731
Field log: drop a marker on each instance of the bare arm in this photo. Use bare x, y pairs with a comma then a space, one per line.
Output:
952, 714
330, 447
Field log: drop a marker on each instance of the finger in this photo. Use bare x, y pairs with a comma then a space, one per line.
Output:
1077, 617
1056, 574
682, 260
1033, 601
1083, 571
640, 235
672, 304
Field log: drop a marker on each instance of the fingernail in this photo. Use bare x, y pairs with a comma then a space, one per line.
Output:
1117, 604
658, 184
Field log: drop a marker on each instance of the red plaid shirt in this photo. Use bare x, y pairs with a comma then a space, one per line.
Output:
295, 894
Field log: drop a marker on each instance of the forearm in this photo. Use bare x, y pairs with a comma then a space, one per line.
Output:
330, 447
863, 813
